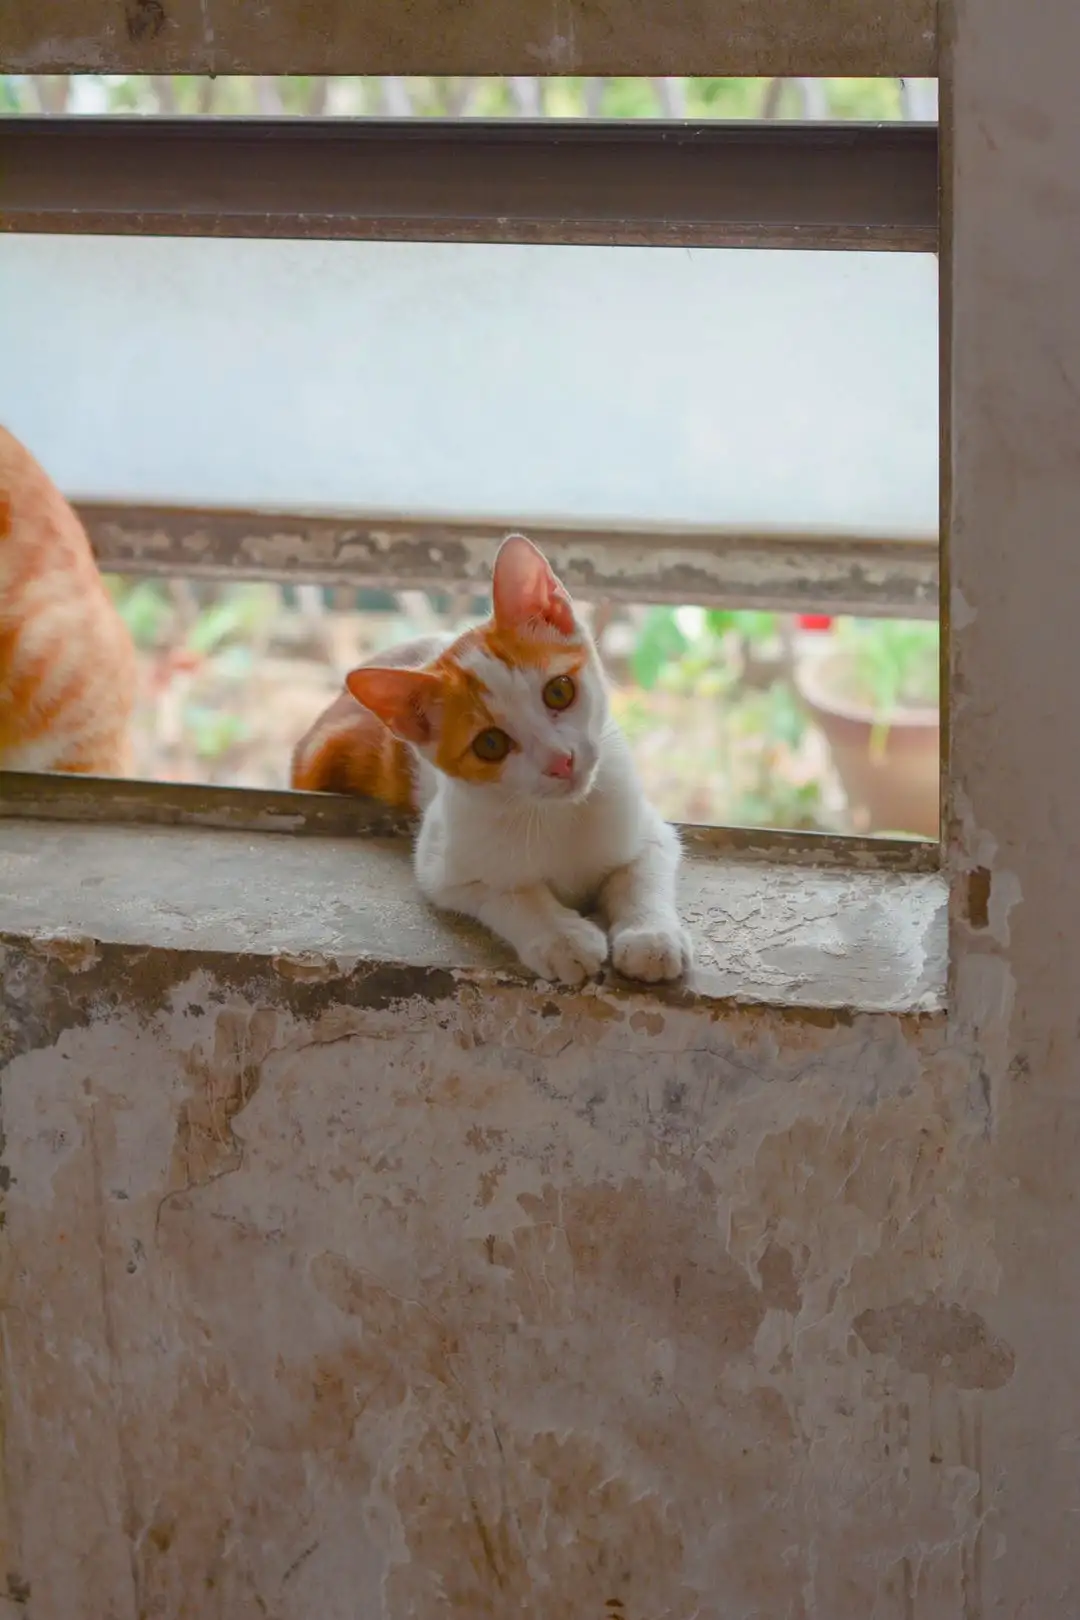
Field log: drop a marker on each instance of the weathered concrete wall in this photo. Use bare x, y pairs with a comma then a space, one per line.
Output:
351, 1274
1013, 483
486, 1306
482, 1302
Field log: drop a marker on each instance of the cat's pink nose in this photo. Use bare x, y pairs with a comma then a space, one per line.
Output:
561, 766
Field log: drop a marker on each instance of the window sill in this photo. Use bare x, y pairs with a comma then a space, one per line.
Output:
841, 939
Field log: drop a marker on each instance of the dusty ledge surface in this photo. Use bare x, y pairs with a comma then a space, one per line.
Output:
766, 934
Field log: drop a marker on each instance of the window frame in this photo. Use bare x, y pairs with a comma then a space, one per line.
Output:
849, 187
618, 39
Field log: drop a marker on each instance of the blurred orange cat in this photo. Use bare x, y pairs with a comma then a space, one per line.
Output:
67, 661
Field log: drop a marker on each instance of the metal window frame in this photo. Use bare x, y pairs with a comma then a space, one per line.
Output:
655, 183
774, 186
788, 38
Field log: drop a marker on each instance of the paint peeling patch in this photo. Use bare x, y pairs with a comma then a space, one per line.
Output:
559, 55
779, 1284
1006, 894
76, 952
945, 1343
962, 613
306, 968
223, 1079
651, 1262
57, 984
144, 20
978, 897
18, 1589
985, 992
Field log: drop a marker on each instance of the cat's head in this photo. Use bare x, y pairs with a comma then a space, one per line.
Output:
517, 705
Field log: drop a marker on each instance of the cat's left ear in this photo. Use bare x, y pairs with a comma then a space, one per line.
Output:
525, 591
405, 700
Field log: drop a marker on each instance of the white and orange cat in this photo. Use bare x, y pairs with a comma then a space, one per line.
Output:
532, 810
67, 660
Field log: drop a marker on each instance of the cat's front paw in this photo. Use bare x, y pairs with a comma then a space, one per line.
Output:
652, 955
575, 953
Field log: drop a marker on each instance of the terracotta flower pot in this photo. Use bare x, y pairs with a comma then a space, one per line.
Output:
895, 788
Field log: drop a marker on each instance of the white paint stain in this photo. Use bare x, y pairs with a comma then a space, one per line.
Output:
963, 614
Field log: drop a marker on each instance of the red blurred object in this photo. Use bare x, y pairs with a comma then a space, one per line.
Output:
815, 621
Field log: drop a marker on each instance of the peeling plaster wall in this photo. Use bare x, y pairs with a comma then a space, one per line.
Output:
481, 1306
1014, 492
488, 1304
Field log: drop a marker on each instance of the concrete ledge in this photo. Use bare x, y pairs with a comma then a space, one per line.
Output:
320, 912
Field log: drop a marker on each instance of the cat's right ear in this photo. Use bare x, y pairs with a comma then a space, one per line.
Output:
525, 592
405, 700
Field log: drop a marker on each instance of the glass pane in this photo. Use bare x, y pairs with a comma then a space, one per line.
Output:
762, 390
759, 393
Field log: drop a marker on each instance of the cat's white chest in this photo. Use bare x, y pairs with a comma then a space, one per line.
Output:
575, 853
570, 849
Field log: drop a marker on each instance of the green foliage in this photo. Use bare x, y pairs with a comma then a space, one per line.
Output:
725, 98
758, 731
795, 806
785, 717
869, 99
129, 95
143, 607
213, 731
627, 98
659, 643
667, 654
890, 664
774, 714
234, 615
241, 610
750, 626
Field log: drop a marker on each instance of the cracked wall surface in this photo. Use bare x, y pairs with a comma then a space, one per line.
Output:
392, 1295
488, 1304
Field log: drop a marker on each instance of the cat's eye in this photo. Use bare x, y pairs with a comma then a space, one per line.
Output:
560, 692
491, 746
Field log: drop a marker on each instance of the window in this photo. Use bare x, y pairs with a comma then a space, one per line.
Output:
707, 603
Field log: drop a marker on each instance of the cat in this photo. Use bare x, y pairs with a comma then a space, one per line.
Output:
67, 660
531, 808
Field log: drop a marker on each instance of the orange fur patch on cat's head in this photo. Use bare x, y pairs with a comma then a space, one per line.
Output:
517, 701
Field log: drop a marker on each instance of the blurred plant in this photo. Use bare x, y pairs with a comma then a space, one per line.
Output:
753, 748
771, 726
889, 664
351, 96
240, 613
144, 607
886, 666
702, 651
751, 627
660, 642
219, 640
213, 731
